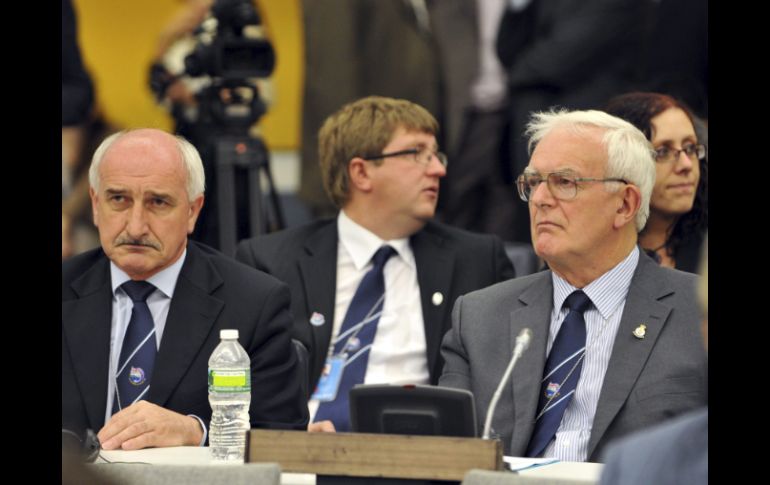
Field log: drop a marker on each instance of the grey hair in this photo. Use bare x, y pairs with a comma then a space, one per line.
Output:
630, 156
196, 179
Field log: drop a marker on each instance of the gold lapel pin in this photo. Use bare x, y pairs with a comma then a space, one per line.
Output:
640, 331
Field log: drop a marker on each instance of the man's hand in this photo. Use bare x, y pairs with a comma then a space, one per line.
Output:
144, 424
321, 427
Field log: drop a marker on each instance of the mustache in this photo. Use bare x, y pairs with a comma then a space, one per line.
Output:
128, 241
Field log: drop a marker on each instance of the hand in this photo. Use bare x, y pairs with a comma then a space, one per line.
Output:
144, 424
321, 427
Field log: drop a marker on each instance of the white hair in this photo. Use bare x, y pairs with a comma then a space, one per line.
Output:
196, 179
630, 156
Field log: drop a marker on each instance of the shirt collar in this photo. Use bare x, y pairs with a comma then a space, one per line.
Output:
607, 291
164, 280
361, 243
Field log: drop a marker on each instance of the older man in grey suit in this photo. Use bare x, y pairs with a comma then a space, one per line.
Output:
614, 336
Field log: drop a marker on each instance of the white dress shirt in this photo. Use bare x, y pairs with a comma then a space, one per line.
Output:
398, 354
608, 295
159, 303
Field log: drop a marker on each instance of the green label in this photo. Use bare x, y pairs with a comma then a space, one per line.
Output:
229, 381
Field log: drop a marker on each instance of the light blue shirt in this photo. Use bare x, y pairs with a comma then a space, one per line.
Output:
159, 303
608, 295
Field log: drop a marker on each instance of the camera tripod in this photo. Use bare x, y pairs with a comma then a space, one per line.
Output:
234, 154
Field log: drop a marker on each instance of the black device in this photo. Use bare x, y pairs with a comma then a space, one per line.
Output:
226, 109
412, 410
84, 448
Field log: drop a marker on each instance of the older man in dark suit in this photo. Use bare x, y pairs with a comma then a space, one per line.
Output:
614, 336
150, 389
381, 166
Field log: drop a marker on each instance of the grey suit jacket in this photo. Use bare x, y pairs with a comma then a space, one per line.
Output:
647, 381
675, 452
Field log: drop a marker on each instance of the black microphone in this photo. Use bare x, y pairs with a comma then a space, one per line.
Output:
87, 449
522, 342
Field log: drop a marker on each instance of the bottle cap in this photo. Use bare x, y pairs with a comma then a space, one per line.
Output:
228, 334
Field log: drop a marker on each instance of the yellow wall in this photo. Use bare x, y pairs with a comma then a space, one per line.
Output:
117, 39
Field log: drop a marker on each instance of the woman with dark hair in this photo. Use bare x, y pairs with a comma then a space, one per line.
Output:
679, 204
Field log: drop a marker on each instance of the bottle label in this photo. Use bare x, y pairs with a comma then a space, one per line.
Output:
229, 380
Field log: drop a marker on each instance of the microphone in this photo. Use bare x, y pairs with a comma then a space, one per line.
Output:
522, 342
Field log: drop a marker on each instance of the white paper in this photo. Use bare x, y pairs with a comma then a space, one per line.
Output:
516, 463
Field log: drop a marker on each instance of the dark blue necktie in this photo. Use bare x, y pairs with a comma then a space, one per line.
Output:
355, 338
137, 356
562, 372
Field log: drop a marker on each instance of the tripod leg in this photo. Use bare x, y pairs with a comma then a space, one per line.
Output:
226, 198
274, 198
255, 202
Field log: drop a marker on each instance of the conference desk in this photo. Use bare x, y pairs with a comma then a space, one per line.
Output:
560, 473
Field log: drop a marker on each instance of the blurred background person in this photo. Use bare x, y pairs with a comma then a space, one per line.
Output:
678, 219
676, 57
357, 48
569, 54
477, 193
77, 93
83, 128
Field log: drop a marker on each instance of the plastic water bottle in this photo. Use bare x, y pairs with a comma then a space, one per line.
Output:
229, 396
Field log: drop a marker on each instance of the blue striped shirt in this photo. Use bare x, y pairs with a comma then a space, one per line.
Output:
608, 294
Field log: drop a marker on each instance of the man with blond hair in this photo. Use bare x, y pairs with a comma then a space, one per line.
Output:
372, 288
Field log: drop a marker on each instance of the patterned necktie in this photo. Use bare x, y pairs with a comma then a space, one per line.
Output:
137, 356
562, 372
355, 338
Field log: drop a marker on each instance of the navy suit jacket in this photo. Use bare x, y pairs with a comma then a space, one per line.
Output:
449, 261
213, 292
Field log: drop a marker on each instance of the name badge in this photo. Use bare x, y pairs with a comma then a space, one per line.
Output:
327, 387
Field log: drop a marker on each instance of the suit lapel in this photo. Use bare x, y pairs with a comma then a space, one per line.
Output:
192, 313
629, 354
535, 313
87, 323
318, 270
435, 264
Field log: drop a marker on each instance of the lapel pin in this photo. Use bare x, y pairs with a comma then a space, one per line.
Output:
437, 298
640, 331
316, 319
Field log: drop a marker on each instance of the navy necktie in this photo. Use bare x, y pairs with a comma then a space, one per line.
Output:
137, 356
562, 372
355, 338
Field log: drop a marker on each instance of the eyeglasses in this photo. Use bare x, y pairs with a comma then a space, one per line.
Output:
421, 156
694, 152
562, 186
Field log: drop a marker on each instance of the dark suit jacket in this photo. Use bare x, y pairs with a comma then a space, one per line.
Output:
675, 452
570, 54
450, 261
647, 381
213, 292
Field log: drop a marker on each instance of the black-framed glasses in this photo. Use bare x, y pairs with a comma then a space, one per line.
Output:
421, 156
694, 151
563, 186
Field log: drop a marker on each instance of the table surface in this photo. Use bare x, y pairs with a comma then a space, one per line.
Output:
200, 455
